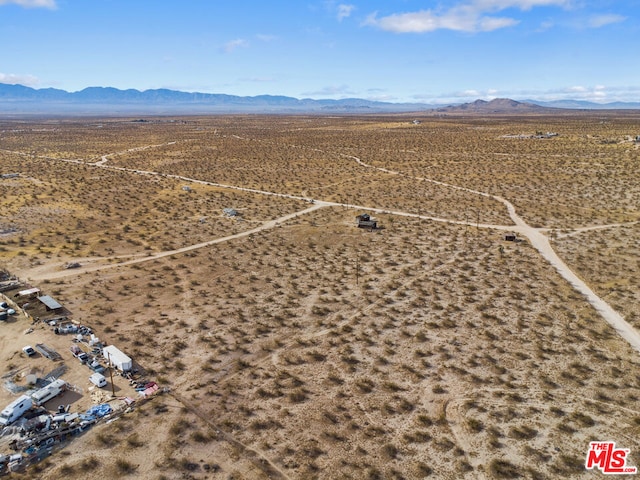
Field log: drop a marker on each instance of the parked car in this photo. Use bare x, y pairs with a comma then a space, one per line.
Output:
96, 367
77, 352
29, 350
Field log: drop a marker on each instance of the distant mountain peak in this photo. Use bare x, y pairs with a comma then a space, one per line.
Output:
19, 99
497, 105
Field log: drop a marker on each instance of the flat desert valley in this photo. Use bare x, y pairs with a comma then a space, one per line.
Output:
486, 329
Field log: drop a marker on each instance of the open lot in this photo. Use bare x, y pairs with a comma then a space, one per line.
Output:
298, 346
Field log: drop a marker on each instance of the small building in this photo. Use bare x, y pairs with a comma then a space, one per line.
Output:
28, 293
230, 212
364, 220
510, 237
50, 304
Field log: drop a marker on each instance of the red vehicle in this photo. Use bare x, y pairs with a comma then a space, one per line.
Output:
79, 353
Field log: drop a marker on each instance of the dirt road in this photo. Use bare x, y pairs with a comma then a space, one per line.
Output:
536, 236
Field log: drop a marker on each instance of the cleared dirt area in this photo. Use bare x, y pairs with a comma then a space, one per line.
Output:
296, 345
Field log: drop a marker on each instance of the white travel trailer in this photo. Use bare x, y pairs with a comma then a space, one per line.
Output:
15, 410
116, 358
52, 390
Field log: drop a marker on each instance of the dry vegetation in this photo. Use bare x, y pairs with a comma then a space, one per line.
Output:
317, 350
610, 259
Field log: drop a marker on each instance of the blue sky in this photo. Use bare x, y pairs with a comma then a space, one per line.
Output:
395, 50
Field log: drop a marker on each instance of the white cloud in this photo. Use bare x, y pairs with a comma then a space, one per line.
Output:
26, 80
340, 10
520, 4
235, 44
597, 21
597, 94
469, 16
31, 3
488, 24
345, 11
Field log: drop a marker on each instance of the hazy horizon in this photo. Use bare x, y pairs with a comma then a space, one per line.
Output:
413, 51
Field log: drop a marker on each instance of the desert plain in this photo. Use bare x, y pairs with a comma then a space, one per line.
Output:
292, 344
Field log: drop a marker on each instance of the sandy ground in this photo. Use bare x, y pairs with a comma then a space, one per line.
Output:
367, 380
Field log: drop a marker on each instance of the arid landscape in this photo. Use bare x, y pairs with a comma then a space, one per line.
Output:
222, 254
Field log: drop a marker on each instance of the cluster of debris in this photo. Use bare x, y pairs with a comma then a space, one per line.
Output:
36, 435
538, 135
26, 426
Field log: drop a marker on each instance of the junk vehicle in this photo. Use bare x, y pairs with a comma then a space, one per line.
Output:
28, 350
95, 366
52, 390
79, 353
98, 380
15, 410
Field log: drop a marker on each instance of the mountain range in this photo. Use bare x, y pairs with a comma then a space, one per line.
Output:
19, 99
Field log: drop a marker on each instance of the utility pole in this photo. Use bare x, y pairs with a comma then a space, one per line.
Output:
113, 388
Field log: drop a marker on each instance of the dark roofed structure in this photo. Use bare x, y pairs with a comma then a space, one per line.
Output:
50, 303
365, 221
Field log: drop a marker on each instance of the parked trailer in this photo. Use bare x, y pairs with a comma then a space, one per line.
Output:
47, 352
52, 390
116, 358
15, 410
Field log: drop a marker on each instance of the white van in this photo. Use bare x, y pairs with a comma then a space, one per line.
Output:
98, 380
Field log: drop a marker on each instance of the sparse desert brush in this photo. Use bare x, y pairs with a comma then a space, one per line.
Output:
420, 340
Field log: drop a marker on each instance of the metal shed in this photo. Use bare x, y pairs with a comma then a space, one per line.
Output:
50, 303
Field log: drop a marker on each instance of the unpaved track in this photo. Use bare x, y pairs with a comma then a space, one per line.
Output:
541, 242
534, 235
257, 457
578, 231
47, 274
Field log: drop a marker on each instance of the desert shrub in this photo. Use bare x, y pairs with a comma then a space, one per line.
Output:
125, 467
200, 437
522, 433
390, 451
475, 425
297, 396
89, 463
504, 469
